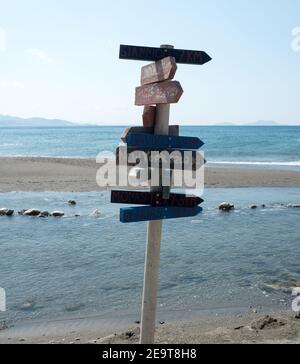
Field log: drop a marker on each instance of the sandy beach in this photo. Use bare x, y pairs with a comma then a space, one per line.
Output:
66, 175
283, 328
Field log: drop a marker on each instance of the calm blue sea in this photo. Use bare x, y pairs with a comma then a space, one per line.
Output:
85, 266
277, 147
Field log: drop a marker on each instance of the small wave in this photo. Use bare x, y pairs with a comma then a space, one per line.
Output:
294, 163
278, 287
10, 145
75, 307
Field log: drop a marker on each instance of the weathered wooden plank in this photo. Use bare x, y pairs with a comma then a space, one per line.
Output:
155, 54
149, 116
168, 92
162, 142
159, 71
151, 213
154, 199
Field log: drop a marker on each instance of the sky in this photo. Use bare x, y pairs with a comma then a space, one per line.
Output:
59, 58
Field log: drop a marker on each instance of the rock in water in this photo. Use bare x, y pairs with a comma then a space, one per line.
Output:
22, 211
72, 202
32, 212
253, 207
3, 325
44, 214
294, 206
226, 206
6, 212
57, 213
28, 305
96, 213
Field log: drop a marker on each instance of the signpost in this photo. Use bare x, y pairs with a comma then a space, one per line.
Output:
149, 213
159, 71
183, 160
173, 130
162, 142
156, 54
157, 88
154, 198
167, 92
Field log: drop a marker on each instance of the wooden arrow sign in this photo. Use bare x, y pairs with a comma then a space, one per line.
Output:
161, 142
154, 198
183, 159
173, 130
159, 71
150, 213
168, 92
155, 54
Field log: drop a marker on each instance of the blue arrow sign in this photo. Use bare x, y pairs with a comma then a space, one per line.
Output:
161, 142
150, 213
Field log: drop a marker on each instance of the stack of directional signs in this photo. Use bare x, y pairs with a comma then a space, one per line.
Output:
157, 88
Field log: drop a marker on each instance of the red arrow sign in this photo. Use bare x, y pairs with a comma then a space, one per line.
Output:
168, 92
162, 70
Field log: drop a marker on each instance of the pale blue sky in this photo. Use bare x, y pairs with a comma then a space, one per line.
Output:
59, 58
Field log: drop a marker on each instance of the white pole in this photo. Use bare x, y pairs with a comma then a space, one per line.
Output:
153, 248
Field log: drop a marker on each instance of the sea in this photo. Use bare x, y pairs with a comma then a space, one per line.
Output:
224, 145
86, 266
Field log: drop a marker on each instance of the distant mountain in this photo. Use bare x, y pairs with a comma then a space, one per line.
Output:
8, 121
263, 123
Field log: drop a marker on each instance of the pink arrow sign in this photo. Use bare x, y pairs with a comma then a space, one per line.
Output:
159, 71
168, 92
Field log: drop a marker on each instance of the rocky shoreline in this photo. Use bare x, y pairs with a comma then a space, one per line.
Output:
33, 212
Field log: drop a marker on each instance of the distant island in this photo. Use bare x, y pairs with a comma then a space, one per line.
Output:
13, 121
7, 121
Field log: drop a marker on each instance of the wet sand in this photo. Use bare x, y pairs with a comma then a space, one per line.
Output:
36, 174
248, 329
